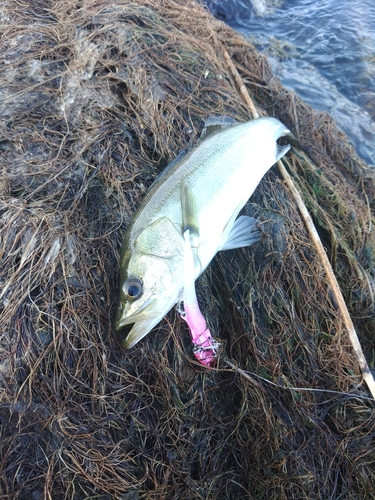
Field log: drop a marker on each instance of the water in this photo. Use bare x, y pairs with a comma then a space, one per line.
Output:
322, 49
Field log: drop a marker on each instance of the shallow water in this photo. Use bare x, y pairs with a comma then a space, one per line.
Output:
324, 50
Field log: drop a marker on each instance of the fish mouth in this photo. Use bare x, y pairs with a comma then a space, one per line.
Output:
140, 329
143, 322
141, 326
124, 318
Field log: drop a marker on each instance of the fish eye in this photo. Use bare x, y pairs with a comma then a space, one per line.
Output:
133, 288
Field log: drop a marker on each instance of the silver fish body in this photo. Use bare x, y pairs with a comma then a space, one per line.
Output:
203, 192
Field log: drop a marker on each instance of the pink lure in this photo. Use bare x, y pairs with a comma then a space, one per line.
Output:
204, 345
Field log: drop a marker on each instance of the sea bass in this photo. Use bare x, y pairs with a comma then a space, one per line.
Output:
188, 215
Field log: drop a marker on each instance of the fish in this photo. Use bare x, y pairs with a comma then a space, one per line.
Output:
189, 214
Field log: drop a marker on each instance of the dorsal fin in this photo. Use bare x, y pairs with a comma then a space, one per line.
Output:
164, 172
214, 124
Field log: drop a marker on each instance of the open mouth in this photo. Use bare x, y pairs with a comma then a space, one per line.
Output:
139, 330
122, 321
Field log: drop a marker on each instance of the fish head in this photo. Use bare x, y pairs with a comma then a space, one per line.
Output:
151, 278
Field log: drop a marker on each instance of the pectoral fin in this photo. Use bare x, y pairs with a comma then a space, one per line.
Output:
189, 211
243, 233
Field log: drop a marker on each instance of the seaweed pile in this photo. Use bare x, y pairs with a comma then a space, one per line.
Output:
96, 97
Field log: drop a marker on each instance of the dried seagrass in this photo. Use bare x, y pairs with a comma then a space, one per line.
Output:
96, 97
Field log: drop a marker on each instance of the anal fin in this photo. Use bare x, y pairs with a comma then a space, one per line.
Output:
243, 233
